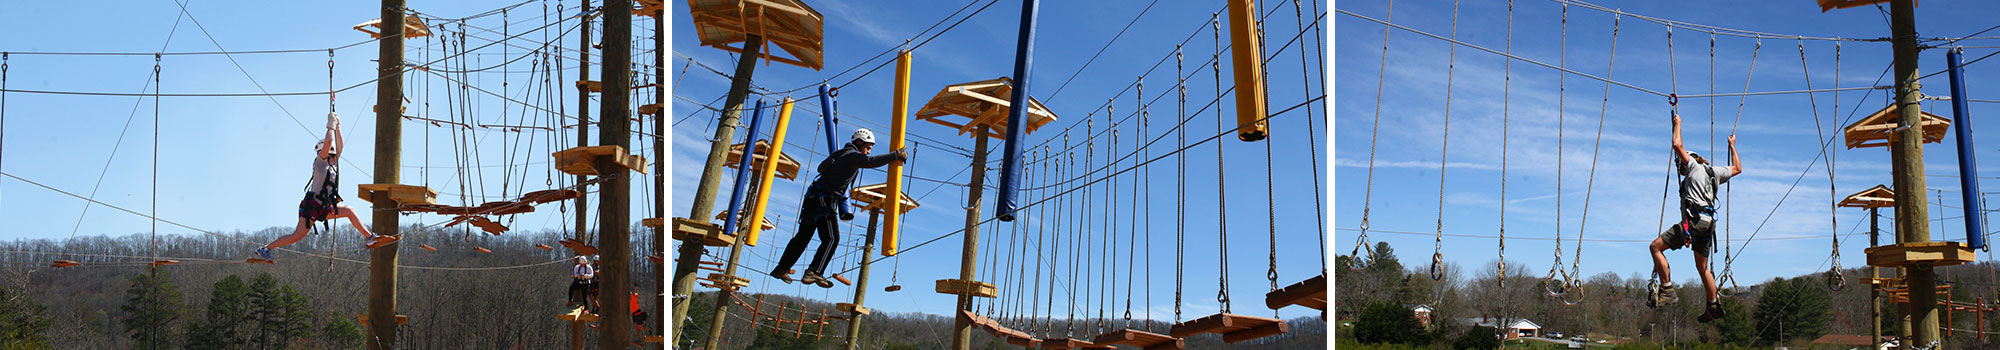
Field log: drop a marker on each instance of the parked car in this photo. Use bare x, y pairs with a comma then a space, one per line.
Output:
1553, 335
1575, 345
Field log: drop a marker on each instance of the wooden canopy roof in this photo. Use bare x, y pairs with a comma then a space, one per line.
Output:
788, 24
1873, 197
871, 197
1876, 129
983, 103
788, 168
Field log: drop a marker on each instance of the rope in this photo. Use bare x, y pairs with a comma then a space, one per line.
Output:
1132, 237
1319, 209
1506, 104
1451, 67
1221, 185
1554, 283
1590, 185
1180, 187
1833, 280
1357, 261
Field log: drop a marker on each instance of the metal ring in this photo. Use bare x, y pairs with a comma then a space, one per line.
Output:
1834, 281
1555, 282
1437, 266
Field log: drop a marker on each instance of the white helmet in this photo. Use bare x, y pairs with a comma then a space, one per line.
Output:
864, 136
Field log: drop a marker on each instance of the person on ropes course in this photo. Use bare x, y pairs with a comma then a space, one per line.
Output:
638, 314
822, 205
322, 198
1697, 225
582, 277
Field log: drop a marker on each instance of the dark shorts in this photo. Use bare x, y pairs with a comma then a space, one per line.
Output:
311, 208
1700, 232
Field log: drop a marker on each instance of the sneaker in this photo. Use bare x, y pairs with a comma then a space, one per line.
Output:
1714, 312
377, 241
1666, 295
813, 278
264, 253
781, 277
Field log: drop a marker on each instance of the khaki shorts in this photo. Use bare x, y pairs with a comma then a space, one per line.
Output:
1700, 231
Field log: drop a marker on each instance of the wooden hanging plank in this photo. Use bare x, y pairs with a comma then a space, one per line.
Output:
590, 85
427, 247
705, 233
401, 194
1071, 344
259, 261
857, 309
1140, 339
578, 315
400, 319
580, 247
546, 196
966, 287
843, 279
482, 250
544, 246
583, 160
64, 263
1309, 293
1233, 328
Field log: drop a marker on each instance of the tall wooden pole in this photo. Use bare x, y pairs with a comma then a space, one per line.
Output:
1874, 274
861, 282
660, 162
583, 124
961, 336
690, 253
388, 170
1907, 161
614, 219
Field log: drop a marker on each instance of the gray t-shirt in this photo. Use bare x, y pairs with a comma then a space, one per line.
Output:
1698, 183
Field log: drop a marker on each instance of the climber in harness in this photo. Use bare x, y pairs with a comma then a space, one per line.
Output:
1697, 225
822, 205
322, 198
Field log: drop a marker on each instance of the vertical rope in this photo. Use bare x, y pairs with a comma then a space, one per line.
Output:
1576, 260
153, 237
1729, 257
1132, 235
1444, 152
4, 57
1180, 184
1221, 185
1833, 280
1555, 279
1506, 105
1312, 151
1357, 261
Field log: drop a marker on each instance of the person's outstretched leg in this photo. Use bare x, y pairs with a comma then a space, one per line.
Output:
343, 210
809, 217
1707, 276
1658, 248
298, 233
829, 231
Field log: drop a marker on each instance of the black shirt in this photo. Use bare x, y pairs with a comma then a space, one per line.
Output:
839, 170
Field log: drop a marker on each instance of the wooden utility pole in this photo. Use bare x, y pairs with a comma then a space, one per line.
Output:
1874, 274
690, 253
861, 282
388, 170
1906, 156
614, 219
961, 335
583, 124
660, 161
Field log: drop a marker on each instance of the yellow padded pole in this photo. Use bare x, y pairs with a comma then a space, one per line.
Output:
768, 171
1247, 51
898, 124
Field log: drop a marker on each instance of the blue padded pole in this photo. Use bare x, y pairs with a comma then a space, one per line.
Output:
1968, 179
1017, 114
830, 116
743, 171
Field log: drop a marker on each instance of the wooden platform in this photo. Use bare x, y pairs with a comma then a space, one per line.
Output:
648, 8
697, 231
871, 197
788, 168
764, 223
1233, 328
994, 328
653, 222
717, 279
1140, 339
1874, 197
1876, 129
974, 288
1309, 293
982, 103
578, 315
401, 194
582, 160
400, 319
651, 109
790, 25
1069, 343
413, 27
590, 85
1927, 253
857, 309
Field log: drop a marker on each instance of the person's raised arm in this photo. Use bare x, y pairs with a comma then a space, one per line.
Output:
1680, 152
338, 142
1735, 162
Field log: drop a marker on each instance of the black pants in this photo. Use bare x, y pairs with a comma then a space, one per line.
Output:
817, 214
579, 291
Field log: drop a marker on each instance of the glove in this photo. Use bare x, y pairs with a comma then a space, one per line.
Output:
846, 216
332, 120
902, 155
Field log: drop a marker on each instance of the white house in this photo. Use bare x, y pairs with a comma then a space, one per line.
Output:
1508, 328
1421, 312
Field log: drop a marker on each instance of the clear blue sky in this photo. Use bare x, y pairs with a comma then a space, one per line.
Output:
230, 163
1776, 135
982, 48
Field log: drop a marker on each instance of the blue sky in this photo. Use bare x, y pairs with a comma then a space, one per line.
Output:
237, 163
1776, 134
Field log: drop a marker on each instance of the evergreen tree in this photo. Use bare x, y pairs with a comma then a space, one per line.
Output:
223, 326
22, 321
280, 313
153, 307
1791, 309
1385, 322
342, 334
1737, 328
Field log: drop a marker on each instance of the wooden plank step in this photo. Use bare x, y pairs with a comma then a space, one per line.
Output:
544, 246
653, 222
400, 319
973, 288
64, 263
707, 234
580, 247
650, 109
843, 280
1140, 339
892, 288
857, 309
259, 261
583, 160
163, 262
1309, 293
590, 85
482, 250
578, 315
400, 194
1926, 253
1233, 328
1069, 344
546, 196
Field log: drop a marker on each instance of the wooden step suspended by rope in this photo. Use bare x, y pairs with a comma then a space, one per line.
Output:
701, 232
582, 160
1879, 129
427, 247
851, 308
580, 314
1309, 293
590, 85
259, 261
966, 287
843, 280
1920, 254
788, 168
719, 281
580, 247
482, 250
871, 197
399, 194
1072, 344
1140, 339
790, 25
413, 27
484, 224
553, 195
400, 319
999, 331
64, 263
544, 246
163, 262
1233, 328
650, 109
